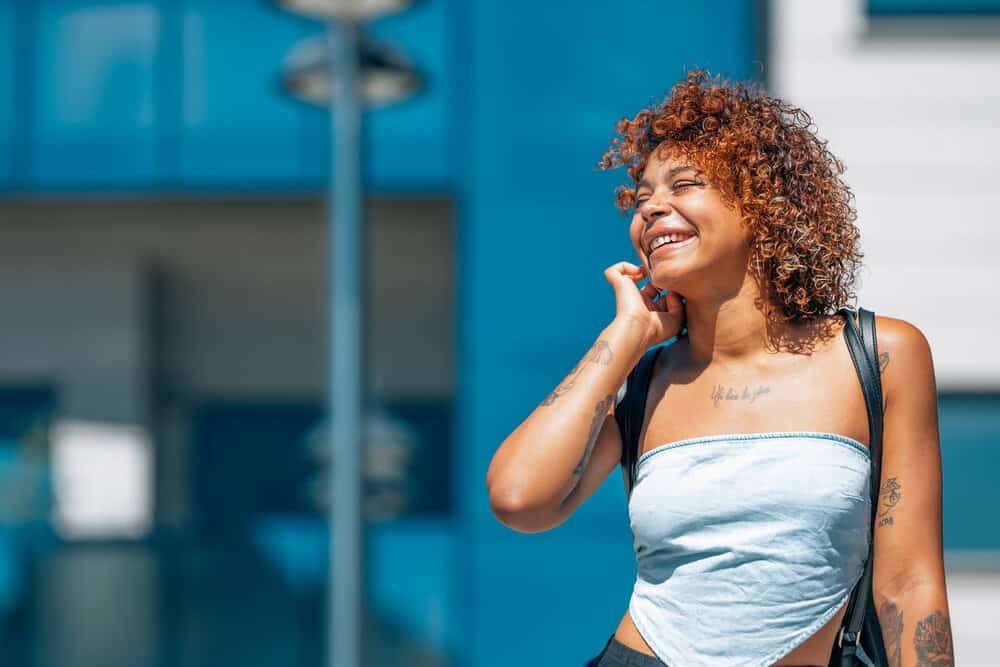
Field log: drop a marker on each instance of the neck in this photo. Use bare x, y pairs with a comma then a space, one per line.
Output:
726, 327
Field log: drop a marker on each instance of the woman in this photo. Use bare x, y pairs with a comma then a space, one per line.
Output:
739, 213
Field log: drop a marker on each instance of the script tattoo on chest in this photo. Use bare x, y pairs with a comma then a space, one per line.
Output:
721, 392
889, 497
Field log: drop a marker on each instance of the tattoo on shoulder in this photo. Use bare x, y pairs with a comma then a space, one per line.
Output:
932, 640
889, 496
890, 617
600, 412
599, 354
883, 361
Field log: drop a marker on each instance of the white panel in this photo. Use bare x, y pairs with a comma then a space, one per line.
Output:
928, 232
914, 120
945, 146
974, 606
102, 474
832, 111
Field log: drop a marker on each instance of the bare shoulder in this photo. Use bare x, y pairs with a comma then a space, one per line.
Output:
904, 354
900, 339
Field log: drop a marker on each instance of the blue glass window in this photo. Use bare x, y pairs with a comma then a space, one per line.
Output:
94, 96
239, 129
8, 60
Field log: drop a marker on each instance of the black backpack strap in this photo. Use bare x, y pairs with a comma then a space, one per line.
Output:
630, 412
861, 343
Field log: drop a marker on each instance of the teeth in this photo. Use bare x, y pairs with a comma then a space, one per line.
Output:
663, 240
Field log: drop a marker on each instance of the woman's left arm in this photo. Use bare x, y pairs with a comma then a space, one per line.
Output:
908, 580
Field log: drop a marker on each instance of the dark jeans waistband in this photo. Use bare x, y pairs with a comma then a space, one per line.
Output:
616, 654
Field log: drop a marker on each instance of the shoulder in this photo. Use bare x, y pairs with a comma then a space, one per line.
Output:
905, 358
901, 339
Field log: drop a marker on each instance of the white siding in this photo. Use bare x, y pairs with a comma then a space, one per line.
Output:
913, 115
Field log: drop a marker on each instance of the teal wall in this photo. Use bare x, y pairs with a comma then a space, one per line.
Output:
933, 7
970, 463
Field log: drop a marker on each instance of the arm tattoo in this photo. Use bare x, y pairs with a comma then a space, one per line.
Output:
890, 617
889, 497
600, 412
883, 361
932, 639
599, 353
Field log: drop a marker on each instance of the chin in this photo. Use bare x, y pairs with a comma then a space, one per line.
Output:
670, 278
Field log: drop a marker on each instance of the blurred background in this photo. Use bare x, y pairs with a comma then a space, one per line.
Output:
164, 329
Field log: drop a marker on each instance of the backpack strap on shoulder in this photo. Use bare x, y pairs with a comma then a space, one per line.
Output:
861, 343
630, 411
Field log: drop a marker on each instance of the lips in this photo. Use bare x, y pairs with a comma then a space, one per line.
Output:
684, 234
668, 248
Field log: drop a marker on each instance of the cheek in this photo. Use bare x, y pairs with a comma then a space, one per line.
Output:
634, 233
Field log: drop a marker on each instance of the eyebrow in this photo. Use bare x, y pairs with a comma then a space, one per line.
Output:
670, 174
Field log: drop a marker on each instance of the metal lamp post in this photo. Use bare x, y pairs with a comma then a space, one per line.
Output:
346, 74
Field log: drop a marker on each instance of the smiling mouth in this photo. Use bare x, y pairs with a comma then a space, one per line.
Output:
663, 245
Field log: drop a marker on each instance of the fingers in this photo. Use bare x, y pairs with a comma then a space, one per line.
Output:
668, 302
672, 302
648, 293
613, 272
650, 290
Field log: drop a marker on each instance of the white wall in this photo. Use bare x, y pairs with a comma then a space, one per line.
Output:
910, 106
241, 310
80, 323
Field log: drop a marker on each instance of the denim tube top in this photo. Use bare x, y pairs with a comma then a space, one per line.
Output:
746, 544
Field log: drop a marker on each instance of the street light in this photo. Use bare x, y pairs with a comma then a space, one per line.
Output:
345, 73
386, 75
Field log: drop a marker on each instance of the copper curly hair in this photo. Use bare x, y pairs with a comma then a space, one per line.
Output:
765, 157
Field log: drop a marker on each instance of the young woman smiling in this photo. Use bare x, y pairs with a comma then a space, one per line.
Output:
751, 512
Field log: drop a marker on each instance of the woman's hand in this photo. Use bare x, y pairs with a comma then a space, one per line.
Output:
657, 320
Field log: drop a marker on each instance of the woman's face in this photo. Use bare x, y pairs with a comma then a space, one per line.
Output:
706, 243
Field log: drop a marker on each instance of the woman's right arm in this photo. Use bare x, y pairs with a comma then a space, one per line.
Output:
543, 470
538, 466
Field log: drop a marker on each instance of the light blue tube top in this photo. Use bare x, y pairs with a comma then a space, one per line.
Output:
746, 544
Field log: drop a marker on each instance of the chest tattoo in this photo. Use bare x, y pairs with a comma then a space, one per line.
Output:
722, 392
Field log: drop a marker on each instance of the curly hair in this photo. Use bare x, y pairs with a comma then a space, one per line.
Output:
766, 159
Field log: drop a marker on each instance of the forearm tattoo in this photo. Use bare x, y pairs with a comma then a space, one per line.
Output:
600, 412
890, 617
932, 640
721, 392
888, 498
599, 353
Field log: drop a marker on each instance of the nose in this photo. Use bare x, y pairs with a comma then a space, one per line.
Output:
655, 208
